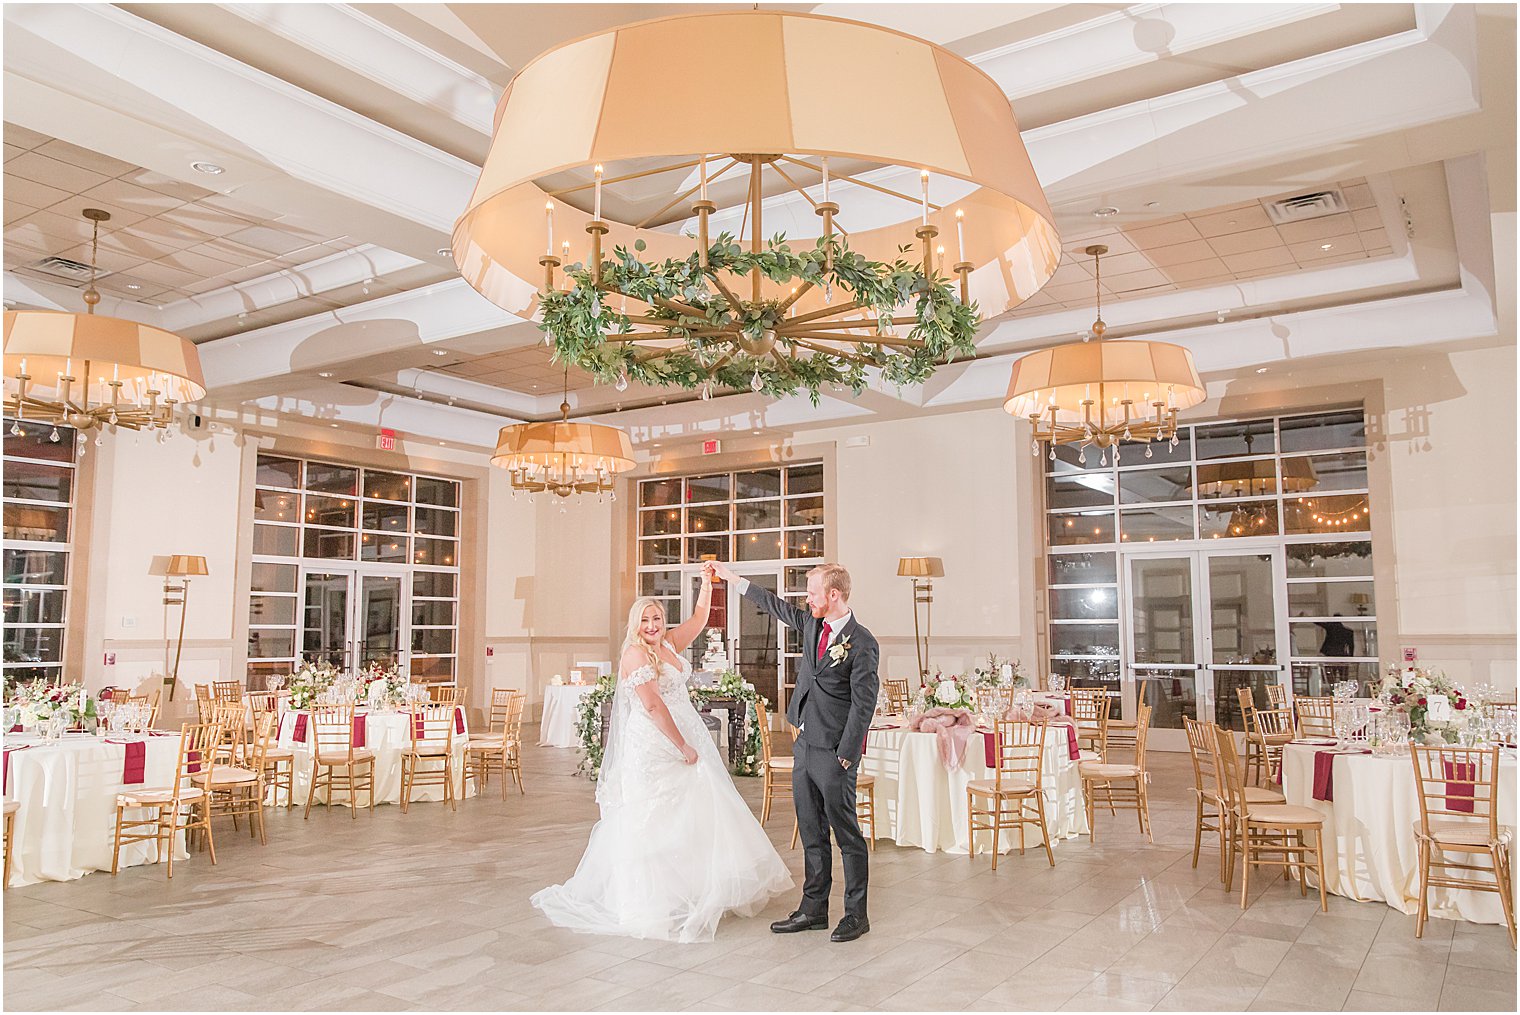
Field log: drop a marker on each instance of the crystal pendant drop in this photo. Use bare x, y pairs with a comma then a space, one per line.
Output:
622, 381
706, 392
755, 383
55, 436
100, 440
1081, 457
1173, 443
1148, 451
1034, 448
163, 435
613, 496
828, 292
1102, 457
112, 420
1052, 452
15, 429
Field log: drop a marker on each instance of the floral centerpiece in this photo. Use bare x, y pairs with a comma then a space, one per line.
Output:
382, 686
39, 701
1410, 690
945, 691
309, 681
999, 672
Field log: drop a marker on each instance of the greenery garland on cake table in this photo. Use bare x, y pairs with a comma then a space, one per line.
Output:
730, 687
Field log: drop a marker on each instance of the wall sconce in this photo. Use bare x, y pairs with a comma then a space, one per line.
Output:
923, 571
183, 567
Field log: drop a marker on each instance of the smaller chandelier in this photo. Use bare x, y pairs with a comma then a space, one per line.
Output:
1255, 477
562, 457
1103, 393
89, 372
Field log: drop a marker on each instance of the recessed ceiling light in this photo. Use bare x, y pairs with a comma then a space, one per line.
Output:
333, 425
324, 373
443, 444
445, 252
209, 168
1261, 370
1326, 246
1152, 204
440, 352
133, 286
755, 431
655, 444
1107, 211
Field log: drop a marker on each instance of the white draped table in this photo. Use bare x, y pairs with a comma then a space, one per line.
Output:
386, 735
66, 825
920, 803
1370, 849
562, 703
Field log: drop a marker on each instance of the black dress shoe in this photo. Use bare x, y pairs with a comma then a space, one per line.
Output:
799, 921
850, 928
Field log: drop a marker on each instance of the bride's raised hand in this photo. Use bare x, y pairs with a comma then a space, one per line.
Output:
709, 571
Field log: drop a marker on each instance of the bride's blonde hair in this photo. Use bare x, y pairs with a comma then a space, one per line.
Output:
631, 637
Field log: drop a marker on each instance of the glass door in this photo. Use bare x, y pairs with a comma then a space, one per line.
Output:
1203, 625
379, 623
352, 618
325, 634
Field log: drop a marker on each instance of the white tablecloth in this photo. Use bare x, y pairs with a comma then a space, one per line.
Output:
919, 803
1370, 849
562, 702
67, 789
387, 736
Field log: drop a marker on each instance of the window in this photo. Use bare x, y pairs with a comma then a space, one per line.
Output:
353, 565
1299, 482
38, 489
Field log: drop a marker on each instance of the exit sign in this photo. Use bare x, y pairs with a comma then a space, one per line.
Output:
386, 441
711, 447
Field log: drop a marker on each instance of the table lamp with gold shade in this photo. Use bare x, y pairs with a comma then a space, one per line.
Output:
184, 567
923, 571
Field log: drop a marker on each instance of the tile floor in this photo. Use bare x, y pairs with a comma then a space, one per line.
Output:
429, 910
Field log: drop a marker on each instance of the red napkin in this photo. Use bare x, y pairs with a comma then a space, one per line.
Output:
300, 731
1324, 781
134, 761
193, 762
1073, 751
1459, 795
16, 728
419, 729
359, 729
458, 720
990, 746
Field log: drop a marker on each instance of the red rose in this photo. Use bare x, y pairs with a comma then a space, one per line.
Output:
1398, 699
1421, 702
1461, 703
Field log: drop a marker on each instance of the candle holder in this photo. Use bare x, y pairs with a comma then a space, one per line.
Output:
550, 262
963, 269
926, 235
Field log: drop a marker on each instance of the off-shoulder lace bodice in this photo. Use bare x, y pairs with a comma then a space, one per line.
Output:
671, 678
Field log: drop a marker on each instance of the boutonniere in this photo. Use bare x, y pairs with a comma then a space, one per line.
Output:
839, 650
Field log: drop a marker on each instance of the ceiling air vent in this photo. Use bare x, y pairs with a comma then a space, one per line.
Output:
1306, 206
62, 267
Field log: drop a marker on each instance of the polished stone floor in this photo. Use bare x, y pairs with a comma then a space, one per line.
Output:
428, 910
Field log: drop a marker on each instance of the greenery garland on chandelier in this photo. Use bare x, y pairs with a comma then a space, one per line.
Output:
730, 687
741, 344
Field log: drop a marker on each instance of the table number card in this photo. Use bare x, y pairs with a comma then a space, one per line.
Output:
1439, 708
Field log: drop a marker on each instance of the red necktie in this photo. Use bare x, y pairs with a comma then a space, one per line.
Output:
823, 641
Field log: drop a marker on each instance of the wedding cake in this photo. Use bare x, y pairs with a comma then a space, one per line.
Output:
715, 659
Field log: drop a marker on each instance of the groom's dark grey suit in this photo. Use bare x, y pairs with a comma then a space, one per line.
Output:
831, 706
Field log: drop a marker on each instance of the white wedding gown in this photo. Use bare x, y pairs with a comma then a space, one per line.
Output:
676, 846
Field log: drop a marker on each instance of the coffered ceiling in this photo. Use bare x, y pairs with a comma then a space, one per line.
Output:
314, 272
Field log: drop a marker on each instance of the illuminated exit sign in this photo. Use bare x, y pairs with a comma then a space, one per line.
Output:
711, 447
386, 440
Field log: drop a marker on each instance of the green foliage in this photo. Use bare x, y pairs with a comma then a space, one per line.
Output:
579, 319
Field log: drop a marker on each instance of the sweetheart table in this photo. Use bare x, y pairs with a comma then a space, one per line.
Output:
920, 803
1370, 851
67, 788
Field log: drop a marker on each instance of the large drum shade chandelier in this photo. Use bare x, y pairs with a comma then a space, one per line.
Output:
91, 373
642, 184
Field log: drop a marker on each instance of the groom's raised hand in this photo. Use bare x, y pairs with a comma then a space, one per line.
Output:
723, 571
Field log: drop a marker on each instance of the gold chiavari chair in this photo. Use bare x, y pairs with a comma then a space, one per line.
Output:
205, 704
1089, 710
500, 745
11, 807
120, 695
279, 766
897, 696
443, 691
1123, 785
181, 807
1277, 696
231, 717
1458, 826
1004, 801
336, 761
1315, 715
227, 690
775, 770
237, 788
1493, 710
1270, 833
1208, 792
431, 727
1267, 730
150, 717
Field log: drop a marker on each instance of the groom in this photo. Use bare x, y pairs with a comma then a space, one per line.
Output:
831, 707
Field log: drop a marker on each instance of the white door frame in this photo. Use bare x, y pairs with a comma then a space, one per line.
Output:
355, 572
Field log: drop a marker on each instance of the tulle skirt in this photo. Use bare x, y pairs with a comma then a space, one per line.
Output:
668, 862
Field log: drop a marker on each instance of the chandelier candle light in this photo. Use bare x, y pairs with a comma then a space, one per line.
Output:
1103, 393
89, 372
679, 205
563, 458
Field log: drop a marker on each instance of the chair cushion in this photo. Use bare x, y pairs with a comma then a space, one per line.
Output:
1276, 739
1098, 770
1283, 814
490, 746
279, 754
12, 806
1262, 795
1089, 756
787, 763
1010, 787
1461, 833
335, 758
225, 775
487, 738
428, 749
149, 797
865, 781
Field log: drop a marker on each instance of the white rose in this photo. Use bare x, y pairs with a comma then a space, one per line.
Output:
947, 693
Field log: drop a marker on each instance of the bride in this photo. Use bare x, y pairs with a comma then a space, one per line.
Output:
676, 846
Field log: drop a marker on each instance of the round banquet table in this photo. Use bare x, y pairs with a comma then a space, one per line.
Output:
1370, 848
386, 735
562, 703
920, 803
66, 825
